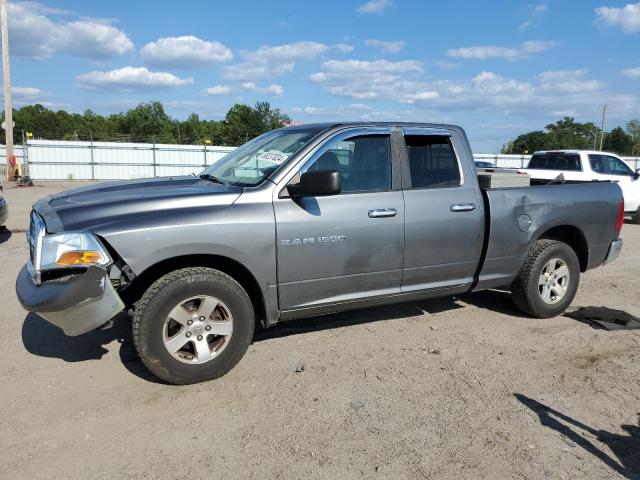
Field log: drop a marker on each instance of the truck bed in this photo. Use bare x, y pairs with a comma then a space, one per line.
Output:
518, 216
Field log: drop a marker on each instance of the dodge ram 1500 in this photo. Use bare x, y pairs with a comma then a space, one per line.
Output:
304, 221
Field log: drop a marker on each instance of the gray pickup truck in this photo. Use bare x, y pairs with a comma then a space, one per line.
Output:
305, 221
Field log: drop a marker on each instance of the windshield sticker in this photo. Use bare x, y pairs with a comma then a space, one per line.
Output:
273, 156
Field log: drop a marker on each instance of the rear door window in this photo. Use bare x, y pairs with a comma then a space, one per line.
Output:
556, 161
432, 162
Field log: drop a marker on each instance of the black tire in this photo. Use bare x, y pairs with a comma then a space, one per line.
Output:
525, 290
636, 218
167, 292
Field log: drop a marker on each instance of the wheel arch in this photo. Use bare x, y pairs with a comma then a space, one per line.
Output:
231, 267
572, 236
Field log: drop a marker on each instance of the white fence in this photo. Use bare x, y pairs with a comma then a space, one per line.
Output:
53, 159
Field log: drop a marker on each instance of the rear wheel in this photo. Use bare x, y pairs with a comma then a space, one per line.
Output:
548, 279
636, 218
193, 325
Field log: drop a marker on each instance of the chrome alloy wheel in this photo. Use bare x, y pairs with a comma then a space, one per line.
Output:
198, 329
554, 281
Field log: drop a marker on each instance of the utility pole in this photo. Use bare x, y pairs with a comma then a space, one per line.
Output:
604, 112
8, 108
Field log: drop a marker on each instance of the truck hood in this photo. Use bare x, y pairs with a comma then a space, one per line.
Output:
107, 204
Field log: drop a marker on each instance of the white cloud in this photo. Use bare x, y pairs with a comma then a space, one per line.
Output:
94, 40
28, 95
35, 35
184, 52
271, 90
203, 109
549, 93
511, 54
22, 96
376, 7
339, 111
372, 80
344, 47
28, 92
217, 90
268, 62
627, 17
445, 65
536, 13
387, 47
130, 79
359, 67
631, 72
568, 81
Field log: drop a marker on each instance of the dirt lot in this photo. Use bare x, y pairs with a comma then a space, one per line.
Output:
453, 388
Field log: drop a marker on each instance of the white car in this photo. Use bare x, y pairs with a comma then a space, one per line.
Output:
587, 166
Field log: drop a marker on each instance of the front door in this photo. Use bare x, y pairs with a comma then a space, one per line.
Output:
615, 170
344, 247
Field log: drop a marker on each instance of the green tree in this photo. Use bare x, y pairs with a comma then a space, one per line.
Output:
271, 117
148, 122
241, 123
618, 142
567, 133
526, 143
563, 134
633, 128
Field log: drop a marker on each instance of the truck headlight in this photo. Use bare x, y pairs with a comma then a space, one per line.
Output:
71, 249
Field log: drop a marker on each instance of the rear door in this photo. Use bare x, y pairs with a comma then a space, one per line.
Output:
444, 214
344, 247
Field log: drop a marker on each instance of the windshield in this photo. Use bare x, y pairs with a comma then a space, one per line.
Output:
251, 163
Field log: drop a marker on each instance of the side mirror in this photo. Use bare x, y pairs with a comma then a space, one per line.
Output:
316, 184
636, 174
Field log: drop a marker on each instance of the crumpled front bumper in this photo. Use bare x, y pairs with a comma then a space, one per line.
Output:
77, 305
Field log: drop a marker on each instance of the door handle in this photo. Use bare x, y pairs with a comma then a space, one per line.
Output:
383, 212
463, 207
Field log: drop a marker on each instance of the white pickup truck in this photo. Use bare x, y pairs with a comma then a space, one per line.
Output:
587, 166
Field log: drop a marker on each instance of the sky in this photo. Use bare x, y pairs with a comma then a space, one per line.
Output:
497, 68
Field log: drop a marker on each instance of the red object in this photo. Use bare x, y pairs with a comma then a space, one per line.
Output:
12, 160
620, 219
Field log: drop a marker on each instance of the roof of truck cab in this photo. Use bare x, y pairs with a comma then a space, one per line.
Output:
320, 127
588, 152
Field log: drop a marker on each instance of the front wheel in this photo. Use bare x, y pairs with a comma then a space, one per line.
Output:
636, 218
193, 325
548, 279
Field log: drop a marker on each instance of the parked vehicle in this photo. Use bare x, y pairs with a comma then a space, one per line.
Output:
588, 166
484, 164
304, 221
4, 209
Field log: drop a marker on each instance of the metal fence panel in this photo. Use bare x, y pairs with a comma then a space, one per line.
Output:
53, 159
18, 151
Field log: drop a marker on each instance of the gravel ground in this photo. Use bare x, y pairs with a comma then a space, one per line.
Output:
452, 388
